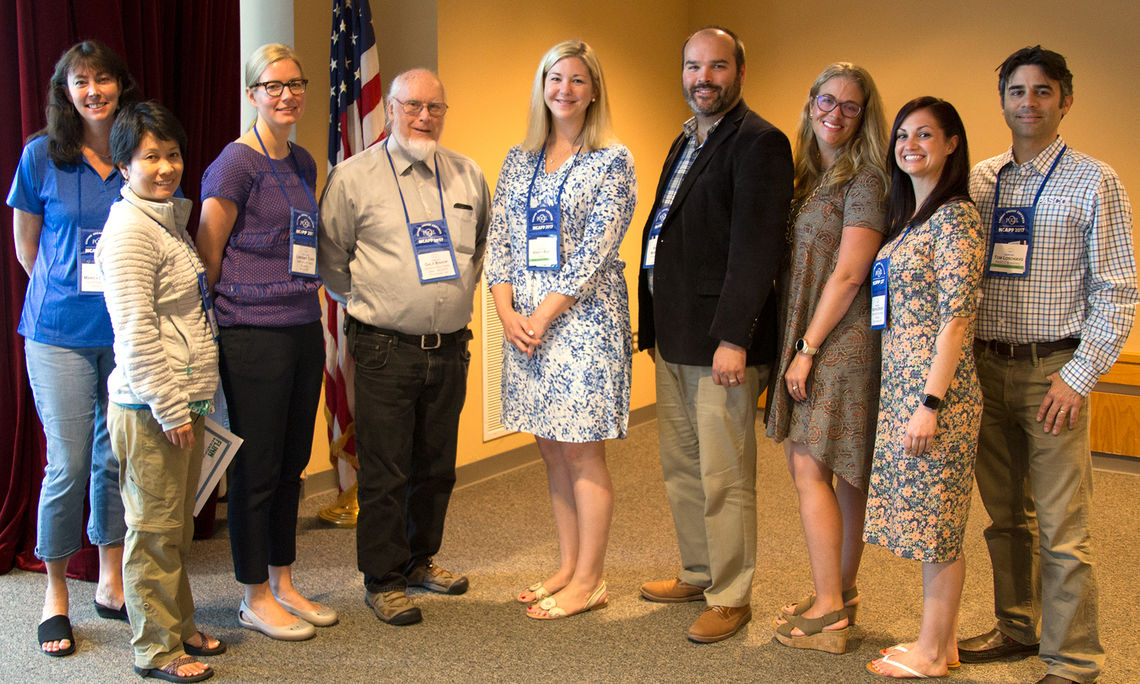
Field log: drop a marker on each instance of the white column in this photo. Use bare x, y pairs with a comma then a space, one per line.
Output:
262, 21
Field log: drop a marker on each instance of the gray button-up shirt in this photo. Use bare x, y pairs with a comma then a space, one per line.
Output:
365, 252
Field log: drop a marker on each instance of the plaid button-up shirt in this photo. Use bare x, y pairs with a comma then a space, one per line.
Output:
681, 168
1082, 270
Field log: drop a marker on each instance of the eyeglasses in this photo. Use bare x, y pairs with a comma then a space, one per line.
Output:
414, 107
274, 88
827, 103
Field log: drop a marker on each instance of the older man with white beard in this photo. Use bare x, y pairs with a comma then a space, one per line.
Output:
402, 232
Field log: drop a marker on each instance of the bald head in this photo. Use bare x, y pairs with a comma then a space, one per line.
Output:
719, 33
412, 98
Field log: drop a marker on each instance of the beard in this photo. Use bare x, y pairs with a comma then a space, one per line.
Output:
418, 149
724, 100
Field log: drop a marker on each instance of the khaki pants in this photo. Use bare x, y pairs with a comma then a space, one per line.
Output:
707, 435
1037, 489
158, 482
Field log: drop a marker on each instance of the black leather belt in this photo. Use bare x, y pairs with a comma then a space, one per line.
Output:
1028, 350
428, 342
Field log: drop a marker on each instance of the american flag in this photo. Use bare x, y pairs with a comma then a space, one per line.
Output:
356, 120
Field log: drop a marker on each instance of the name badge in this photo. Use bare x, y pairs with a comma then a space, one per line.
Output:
208, 304
435, 258
1011, 239
880, 293
654, 232
543, 233
90, 277
303, 243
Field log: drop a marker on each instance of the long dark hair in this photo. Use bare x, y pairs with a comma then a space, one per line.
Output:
954, 182
64, 128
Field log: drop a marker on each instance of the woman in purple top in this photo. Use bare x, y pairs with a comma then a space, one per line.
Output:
64, 186
257, 238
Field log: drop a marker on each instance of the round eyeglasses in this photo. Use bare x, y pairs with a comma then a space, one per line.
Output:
827, 103
274, 88
414, 107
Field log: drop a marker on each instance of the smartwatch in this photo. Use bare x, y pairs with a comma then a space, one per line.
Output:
931, 402
804, 348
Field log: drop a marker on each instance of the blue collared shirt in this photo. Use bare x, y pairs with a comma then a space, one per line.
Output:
1082, 277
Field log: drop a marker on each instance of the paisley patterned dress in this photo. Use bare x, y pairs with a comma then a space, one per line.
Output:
837, 422
917, 506
576, 387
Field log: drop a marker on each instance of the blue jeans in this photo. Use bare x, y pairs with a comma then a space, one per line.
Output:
70, 390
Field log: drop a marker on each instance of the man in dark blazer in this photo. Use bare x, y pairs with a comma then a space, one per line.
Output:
711, 249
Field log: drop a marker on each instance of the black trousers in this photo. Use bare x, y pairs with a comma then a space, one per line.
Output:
272, 380
407, 409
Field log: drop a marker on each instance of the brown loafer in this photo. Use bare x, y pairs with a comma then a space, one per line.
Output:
993, 645
671, 591
718, 623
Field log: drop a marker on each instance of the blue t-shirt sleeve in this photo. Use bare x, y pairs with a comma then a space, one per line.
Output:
27, 184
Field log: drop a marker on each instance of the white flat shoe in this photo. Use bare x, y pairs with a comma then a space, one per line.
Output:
298, 631
322, 616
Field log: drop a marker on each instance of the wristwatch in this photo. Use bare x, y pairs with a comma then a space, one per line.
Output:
804, 348
931, 402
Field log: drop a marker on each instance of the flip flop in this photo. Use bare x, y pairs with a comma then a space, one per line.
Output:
911, 673
204, 649
902, 649
169, 672
56, 628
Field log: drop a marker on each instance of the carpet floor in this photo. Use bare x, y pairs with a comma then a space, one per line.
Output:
501, 534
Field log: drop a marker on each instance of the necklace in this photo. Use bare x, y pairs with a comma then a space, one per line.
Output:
105, 158
799, 208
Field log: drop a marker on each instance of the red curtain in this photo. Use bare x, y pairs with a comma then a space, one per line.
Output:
183, 53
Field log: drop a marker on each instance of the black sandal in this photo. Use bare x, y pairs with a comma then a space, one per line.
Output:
204, 649
56, 628
169, 672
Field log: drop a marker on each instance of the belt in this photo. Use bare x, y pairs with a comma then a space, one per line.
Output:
428, 342
1028, 350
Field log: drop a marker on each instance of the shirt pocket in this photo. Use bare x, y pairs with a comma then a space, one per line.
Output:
461, 224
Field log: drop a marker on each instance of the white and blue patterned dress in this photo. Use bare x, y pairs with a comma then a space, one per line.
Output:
576, 387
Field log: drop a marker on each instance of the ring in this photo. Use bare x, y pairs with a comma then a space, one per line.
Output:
795, 387
1062, 411
732, 381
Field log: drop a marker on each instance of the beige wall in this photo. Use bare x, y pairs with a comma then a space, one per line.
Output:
488, 53
488, 50
950, 50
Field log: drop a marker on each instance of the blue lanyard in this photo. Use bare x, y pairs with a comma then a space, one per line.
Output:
900, 240
296, 170
539, 165
438, 186
1040, 188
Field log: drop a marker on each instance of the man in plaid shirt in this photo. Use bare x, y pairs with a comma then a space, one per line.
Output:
1058, 303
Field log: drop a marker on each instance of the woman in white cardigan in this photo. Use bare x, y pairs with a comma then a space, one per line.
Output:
165, 375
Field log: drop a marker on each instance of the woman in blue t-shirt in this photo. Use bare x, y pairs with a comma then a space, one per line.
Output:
62, 191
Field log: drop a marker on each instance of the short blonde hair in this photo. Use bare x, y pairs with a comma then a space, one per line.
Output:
867, 148
596, 133
265, 55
